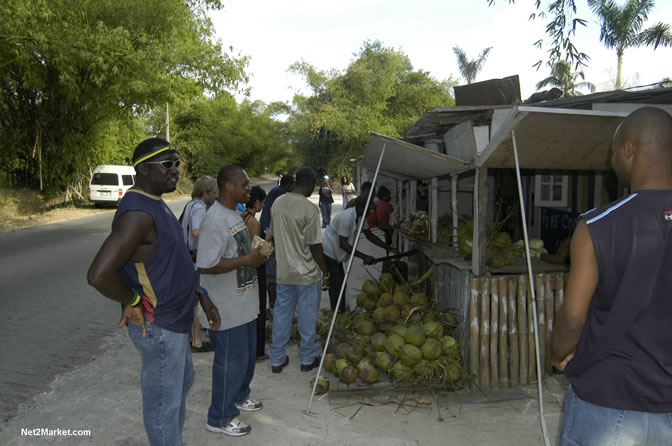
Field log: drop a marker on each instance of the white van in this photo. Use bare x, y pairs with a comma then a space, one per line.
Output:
109, 183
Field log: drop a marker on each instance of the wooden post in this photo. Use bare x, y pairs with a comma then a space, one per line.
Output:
453, 208
480, 221
503, 333
514, 363
485, 333
434, 211
541, 318
523, 328
548, 307
559, 292
474, 341
494, 332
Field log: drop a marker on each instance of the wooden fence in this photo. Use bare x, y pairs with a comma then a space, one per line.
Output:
501, 327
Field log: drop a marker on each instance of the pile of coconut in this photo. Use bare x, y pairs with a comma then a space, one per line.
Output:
396, 334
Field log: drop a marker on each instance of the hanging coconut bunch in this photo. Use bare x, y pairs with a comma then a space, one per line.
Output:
396, 334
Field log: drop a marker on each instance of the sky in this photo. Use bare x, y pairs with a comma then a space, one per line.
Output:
275, 34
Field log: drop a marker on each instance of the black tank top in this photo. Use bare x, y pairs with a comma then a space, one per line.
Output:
624, 357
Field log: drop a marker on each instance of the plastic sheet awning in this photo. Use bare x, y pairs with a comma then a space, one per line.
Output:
553, 138
403, 160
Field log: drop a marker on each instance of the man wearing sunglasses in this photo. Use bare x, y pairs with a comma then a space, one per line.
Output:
144, 264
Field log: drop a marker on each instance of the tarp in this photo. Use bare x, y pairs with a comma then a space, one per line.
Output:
553, 138
404, 160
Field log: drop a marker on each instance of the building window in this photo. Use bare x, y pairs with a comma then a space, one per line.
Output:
550, 191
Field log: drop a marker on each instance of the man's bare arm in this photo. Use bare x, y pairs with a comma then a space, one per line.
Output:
124, 243
583, 279
254, 259
370, 236
345, 246
318, 256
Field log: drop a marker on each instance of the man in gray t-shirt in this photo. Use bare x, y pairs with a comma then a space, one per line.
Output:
227, 264
295, 228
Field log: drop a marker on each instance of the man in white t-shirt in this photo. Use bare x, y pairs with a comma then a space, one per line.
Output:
337, 243
227, 264
295, 228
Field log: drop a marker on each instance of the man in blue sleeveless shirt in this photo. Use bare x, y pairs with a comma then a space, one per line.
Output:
613, 333
144, 264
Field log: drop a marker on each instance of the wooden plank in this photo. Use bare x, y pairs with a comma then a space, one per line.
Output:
548, 309
453, 207
514, 362
434, 210
523, 330
541, 318
494, 333
531, 328
503, 332
474, 300
485, 333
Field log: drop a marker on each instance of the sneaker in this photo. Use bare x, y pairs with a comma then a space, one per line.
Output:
249, 405
278, 368
311, 366
235, 428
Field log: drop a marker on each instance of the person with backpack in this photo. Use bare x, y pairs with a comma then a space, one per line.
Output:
202, 196
326, 200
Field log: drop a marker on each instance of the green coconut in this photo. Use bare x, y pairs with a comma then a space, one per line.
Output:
378, 315
422, 368
449, 346
329, 361
370, 287
410, 355
386, 277
401, 371
449, 320
342, 349
392, 313
354, 354
433, 329
365, 327
385, 299
339, 365
453, 372
399, 297
348, 374
361, 297
393, 344
431, 349
367, 371
415, 335
399, 329
322, 385
378, 342
370, 304
383, 360
430, 316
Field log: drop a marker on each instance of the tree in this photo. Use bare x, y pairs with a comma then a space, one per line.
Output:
621, 28
379, 91
563, 78
469, 69
561, 29
75, 72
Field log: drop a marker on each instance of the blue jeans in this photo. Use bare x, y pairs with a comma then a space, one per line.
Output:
167, 374
232, 370
307, 298
588, 424
325, 208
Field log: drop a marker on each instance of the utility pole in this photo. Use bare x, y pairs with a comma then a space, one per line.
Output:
167, 124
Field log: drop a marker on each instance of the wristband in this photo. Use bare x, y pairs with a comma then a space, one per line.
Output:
202, 292
137, 298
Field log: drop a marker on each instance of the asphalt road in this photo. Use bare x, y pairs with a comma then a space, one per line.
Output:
51, 320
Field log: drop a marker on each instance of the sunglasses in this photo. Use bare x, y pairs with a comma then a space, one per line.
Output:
166, 164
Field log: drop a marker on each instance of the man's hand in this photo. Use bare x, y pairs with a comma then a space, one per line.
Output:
135, 315
368, 260
256, 258
561, 365
325, 282
210, 311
